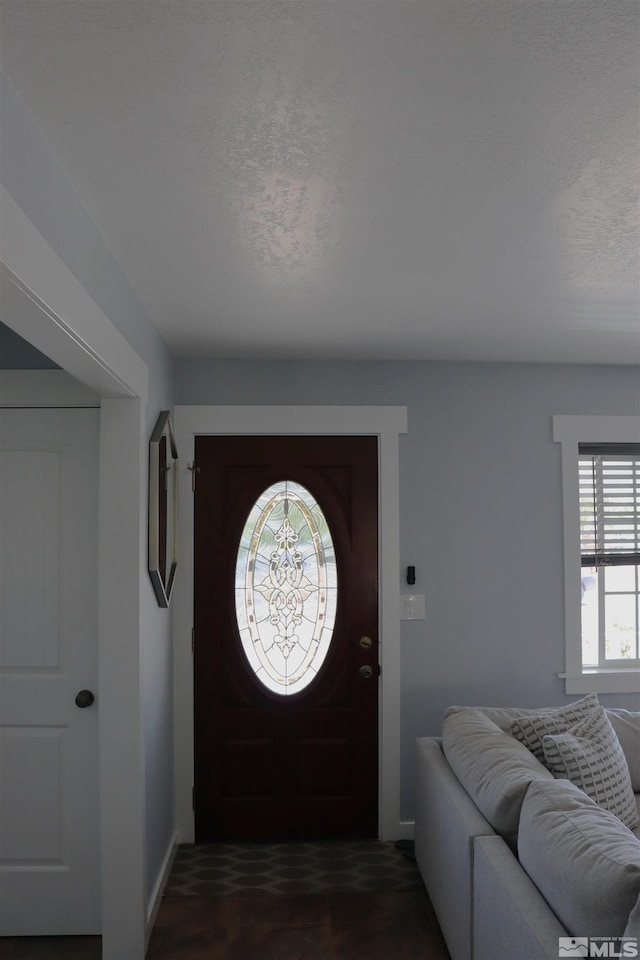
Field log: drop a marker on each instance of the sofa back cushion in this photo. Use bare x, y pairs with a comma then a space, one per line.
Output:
493, 767
582, 859
504, 716
627, 727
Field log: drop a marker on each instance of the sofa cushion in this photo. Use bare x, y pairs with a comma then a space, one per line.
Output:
589, 754
633, 926
531, 728
583, 860
503, 716
493, 767
627, 727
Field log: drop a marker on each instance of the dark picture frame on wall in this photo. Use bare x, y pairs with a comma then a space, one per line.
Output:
163, 512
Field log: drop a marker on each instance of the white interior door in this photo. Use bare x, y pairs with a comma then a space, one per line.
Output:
49, 813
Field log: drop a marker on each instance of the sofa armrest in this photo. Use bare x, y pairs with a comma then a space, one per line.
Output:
447, 820
506, 900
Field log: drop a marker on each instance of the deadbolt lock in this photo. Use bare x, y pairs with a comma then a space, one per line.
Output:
365, 642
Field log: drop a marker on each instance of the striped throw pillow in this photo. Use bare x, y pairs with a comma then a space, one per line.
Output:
590, 756
530, 729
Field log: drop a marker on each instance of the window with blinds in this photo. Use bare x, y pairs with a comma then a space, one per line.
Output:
609, 494
609, 484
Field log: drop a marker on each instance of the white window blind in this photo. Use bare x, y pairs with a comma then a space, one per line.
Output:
609, 485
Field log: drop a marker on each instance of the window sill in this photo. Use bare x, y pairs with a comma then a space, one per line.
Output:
599, 680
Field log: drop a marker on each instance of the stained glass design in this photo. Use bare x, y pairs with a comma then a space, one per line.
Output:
286, 588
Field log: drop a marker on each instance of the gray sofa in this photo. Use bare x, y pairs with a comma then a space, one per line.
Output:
515, 856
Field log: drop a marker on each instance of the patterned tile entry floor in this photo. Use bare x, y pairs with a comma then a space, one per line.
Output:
223, 869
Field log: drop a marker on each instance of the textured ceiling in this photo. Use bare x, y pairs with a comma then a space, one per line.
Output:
354, 178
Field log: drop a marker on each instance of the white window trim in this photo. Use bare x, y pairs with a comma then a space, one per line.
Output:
571, 431
387, 423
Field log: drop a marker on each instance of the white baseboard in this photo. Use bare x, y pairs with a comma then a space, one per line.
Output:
163, 875
406, 830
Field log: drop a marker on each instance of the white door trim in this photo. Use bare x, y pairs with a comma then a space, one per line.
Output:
387, 423
45, 303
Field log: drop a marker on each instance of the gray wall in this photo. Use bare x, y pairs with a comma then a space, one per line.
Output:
480, 487
481, 515
32, 175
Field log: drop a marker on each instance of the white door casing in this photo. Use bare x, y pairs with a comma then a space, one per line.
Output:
49, 801
387, 423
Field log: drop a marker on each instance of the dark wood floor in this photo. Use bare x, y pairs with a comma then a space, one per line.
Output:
341, 926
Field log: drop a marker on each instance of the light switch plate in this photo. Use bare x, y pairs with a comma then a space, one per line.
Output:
412, 606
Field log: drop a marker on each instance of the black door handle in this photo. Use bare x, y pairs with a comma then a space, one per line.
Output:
84, 699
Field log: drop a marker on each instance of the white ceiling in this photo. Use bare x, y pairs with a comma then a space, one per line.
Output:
450, 179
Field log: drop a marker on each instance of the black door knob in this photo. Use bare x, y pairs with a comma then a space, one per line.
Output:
84, 699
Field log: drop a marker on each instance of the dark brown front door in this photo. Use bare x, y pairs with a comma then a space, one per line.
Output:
278, 762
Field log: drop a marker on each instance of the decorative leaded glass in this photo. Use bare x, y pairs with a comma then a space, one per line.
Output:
286, 587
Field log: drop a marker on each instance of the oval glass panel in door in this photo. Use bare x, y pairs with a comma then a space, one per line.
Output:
286, 588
